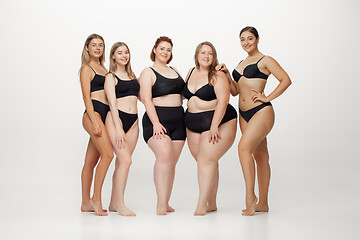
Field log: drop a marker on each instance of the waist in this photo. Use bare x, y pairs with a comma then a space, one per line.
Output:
170, 100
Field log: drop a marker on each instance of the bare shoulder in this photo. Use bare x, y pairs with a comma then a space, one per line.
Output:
187, 75
147, 75
220, 76
268, 60
110, 76
86, 73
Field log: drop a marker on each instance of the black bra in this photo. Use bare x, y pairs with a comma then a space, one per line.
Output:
164, 86
250, 71
97, 83
125, 88
205, 93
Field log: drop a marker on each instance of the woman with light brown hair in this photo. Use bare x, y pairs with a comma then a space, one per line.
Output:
210, 122
92, 86
164, 131
257, 115
121, 87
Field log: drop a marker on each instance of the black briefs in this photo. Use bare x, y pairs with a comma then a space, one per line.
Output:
172, 118
247, 115
100, 108
127, 120
201, 121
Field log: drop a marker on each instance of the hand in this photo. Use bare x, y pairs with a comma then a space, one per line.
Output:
96, 129
214, 135
258, 96
120, 138
159, 131
221, 67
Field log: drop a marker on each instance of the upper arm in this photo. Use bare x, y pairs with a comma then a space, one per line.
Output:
86, 75
109, 87
274, 68
146, 80
222, 87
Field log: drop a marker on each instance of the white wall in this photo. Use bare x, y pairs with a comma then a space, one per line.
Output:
314, 142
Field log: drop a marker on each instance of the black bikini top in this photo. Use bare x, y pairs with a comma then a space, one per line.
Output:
205, 93
164, 86
97, 83
125, 88
250, 71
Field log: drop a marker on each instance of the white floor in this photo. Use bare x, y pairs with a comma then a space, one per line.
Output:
48, 208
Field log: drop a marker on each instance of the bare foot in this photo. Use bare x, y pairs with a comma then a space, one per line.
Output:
250, 206
211, 208
170, 209
113, 207
124, 211
96, 205
261, 208
200, 210
161, 210
86, 207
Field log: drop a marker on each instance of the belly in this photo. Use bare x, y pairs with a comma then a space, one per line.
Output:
195, 105
127, 104
170, 100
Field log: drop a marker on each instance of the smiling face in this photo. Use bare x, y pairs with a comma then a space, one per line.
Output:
121, 55
95, 48
205, 56
248, 41
163, 52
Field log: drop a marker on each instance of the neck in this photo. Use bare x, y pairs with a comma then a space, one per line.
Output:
203, 69
95, 60
120, 68
160, 65
253, 53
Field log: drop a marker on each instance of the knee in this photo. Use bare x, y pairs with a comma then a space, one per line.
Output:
243, 148
261, 156
124, 162
204, 161
90, 164
165, 156
107, 156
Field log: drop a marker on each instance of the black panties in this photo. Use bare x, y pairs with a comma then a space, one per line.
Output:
247, 115
201, 122
172, 118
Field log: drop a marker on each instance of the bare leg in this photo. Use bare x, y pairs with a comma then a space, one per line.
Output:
254, 133
177, 147
261, 156
193, 140
163, 171
207, 160
103, 146
122, 166
91, 158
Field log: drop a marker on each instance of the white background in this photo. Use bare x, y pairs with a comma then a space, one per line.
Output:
314, 145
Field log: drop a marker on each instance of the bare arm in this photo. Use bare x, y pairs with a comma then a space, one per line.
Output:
222, 91
146, 80
284, 81
86, 75
109, 86
233, 85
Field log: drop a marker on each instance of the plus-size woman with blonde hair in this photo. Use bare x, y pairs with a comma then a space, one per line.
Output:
210, 122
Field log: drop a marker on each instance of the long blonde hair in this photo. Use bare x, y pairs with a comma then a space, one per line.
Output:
113, 65
214, 63
85, 57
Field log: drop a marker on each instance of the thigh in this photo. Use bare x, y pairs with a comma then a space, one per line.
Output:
132, 136
102, 143
161, 147
177, 146
215, 151
193, 141
257, 128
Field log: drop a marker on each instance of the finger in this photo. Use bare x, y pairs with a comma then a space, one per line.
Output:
164, 129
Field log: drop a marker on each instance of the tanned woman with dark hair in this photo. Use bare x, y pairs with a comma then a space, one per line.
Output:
257, 115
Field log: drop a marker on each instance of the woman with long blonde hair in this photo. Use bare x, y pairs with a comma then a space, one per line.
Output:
210, 122
92, 86
121, 87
